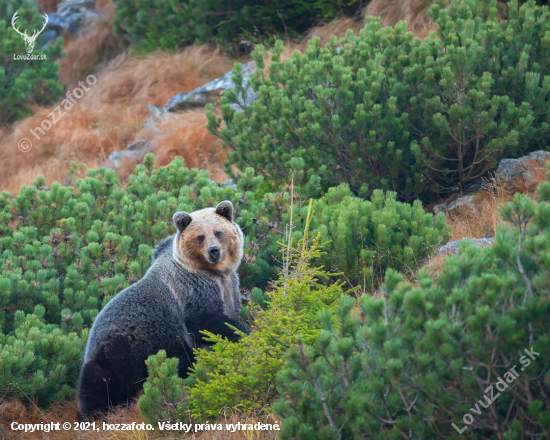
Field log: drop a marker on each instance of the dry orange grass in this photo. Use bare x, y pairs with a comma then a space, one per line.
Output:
87, 53
183, 134
393, 11
110, 115
466, 223
337, 27
63, 412
482, 221
106, 8
414, 12
537, 173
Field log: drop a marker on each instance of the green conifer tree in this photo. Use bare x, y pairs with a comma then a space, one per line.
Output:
164, 398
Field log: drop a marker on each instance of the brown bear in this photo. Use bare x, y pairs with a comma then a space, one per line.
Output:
192, 285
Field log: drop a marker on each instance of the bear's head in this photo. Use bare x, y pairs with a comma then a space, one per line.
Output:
209, 239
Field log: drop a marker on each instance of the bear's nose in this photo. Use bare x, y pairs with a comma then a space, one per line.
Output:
214, 251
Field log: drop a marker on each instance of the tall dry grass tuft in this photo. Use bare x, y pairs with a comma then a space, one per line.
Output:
106, 8
393, 11
110, 115
482, 220
184, 134
536, 173
17, 412
337, 27
65, 411
89, 52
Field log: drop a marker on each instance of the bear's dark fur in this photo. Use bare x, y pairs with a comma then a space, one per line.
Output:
192, 285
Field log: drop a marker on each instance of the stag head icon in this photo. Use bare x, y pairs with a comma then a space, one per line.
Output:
29, 41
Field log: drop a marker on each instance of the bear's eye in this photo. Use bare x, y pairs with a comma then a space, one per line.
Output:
200, 238
218, 234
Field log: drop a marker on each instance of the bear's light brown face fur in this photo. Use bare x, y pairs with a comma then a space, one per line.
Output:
209, 240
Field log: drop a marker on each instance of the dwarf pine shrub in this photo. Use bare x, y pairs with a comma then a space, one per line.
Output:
465, 356
169, 24
163, 396
385, 110
39, 359
25, 82
364, 237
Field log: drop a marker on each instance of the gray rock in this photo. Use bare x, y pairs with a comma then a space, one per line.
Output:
510, 169
47, 37
141, 145
227, 184
213, 91
115, 158
460, 202
156, 113
71, 16
507, 172
452, 247
67, 21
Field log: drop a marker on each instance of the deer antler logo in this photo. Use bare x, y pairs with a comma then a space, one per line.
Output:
29, 41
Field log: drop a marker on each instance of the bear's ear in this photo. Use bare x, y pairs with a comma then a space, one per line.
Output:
225, 209
181, 220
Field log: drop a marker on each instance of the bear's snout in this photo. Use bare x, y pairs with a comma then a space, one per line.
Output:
214, 253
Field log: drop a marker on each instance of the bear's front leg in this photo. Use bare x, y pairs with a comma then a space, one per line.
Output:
216, 324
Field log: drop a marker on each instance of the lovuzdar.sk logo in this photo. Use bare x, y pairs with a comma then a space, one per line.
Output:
29, 41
